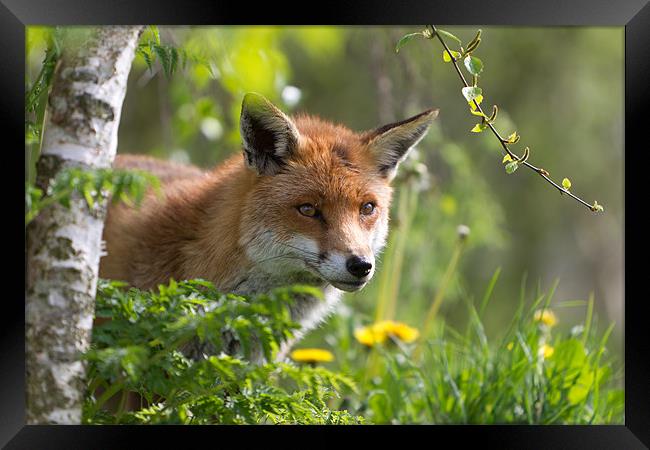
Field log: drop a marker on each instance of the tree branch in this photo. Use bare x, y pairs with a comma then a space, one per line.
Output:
541, 172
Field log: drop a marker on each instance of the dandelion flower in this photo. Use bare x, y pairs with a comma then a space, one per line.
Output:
546, 351
312, 355
379, 332
547, 317
403, 332
370, 335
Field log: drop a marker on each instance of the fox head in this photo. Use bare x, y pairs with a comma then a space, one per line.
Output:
319, 202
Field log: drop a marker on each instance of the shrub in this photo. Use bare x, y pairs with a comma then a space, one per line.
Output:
143, 349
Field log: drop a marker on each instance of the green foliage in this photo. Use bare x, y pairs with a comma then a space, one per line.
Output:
450, 36
473, 64
171, 58
479, 127
528, 374
405, 39
93, 185
446, 57
471, 93
511, 167
36, 90
143, 348
33, 95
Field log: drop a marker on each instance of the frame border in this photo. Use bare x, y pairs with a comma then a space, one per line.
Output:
634, 15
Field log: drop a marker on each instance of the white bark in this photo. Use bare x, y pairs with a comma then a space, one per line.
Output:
63, 245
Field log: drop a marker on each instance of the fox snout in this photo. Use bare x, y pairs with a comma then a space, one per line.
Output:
348, 272
357, 266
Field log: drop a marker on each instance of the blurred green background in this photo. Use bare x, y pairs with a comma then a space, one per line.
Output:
560, 88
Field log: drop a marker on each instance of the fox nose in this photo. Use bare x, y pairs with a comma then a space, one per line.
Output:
358, 267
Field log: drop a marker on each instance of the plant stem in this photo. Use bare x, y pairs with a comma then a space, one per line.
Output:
437, 300
541, 172
406, 220
389, 258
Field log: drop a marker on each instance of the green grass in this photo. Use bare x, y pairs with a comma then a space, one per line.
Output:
465, 378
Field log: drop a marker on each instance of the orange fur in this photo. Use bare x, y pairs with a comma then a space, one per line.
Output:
193, 230
242, 225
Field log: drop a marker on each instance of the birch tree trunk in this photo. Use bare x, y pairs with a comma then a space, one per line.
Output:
64, 245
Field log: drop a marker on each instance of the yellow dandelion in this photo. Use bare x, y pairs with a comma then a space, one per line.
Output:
312, 355
379, 332
546, 351
547, 317
403, 332
370, 335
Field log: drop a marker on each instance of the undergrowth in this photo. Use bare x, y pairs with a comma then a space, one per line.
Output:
529, 375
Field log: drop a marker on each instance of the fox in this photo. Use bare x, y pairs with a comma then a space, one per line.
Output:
306, 201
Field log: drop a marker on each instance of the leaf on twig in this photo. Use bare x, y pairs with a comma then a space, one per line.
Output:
511, 167
513, 138
476, 101
449, 35
447, 58
405, 40
479, 127
472, 93
473, 65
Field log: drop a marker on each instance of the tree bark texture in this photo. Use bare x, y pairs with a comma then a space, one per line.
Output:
64, 245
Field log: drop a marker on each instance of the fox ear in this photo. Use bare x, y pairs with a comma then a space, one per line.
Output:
268, 135
391, 143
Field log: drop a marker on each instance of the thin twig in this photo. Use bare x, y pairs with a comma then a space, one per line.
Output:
541, 172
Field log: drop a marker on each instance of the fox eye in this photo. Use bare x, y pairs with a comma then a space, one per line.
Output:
308, 210
367, 208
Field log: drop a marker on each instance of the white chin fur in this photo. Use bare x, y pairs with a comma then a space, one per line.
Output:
348, 287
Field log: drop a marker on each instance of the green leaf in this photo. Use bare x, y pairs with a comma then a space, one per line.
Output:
144, 52
476, 101
156, 33
566, 184
449, 35
513, 138
511, 167
474, 42
579, 391
447, 58
406, 39
472, 93
89, 199
473, 64
479, 127
173, 60
164, 58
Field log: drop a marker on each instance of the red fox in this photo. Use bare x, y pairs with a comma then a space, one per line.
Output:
305, 202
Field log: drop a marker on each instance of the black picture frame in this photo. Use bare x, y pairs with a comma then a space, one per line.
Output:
634, 15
